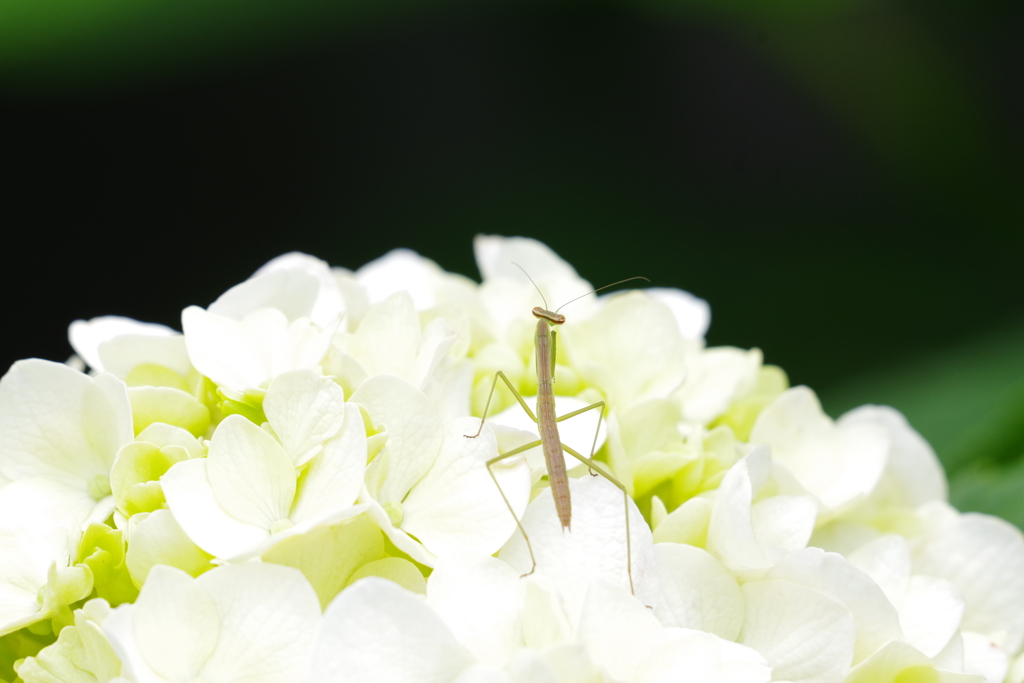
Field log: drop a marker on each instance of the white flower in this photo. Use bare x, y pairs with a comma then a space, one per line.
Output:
59, 433
250, 622
262, 328
840, 464
428, 487
251, 491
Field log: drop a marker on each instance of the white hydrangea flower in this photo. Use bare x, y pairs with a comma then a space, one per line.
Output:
249, 622
253, 491
60, 431
263, 327
302, 446
428, 487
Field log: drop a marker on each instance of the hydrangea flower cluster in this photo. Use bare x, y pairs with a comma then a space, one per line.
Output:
283, 492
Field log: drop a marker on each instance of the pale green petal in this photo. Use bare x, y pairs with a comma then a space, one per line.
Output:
395, 569
170, 406
168, 435
252, 477
305, 410
80, 655
328, 555
157, 538
716, 377
86, 336
688, 523
124, 353
419, 649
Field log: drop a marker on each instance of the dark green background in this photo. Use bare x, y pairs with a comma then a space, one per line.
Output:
842, 180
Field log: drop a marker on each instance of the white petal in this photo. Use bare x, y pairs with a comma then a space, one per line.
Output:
930, 613
496, 257
87, 335
594, 549
984, 557
176, 624
292, 291
330, 303
233, 353
335, 476
418, 648
25, 560
631, 348
269, 616
413, 435
401, 270
806, 636
983, 657
838, 464
305, 410
692, 314
194, 504
56, 422
784, 522
456, 507
251, 476
697, 591
697, 657
388, 337
912, 463
874, 616
481, 600
616, 629
39, 504
731, 535
716, 377
887, 561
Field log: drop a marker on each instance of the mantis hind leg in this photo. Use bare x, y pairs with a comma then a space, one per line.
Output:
600, 419
519, 525
625, 499
487, 406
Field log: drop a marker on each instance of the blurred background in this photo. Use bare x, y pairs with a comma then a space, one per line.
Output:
842, 180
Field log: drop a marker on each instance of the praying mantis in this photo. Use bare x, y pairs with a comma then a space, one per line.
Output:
545, 340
